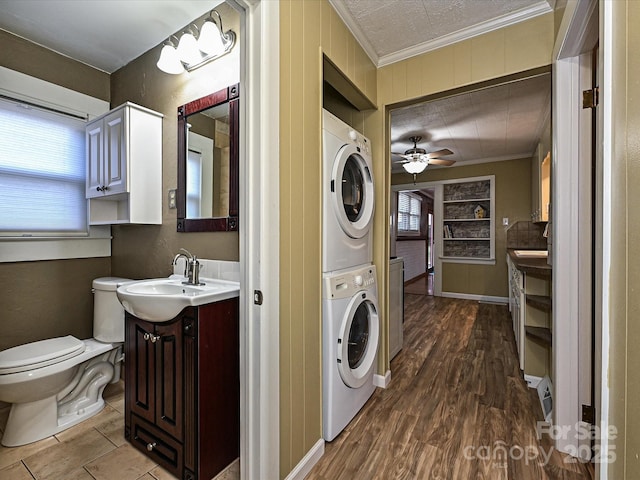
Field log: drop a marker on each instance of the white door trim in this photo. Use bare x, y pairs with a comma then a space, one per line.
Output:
259, 241
577, 34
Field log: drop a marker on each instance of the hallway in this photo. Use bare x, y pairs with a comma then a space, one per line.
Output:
457, 407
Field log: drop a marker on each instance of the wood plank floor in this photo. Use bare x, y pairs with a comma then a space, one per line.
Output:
457, 407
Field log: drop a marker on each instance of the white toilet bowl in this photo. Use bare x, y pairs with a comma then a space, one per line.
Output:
56, 383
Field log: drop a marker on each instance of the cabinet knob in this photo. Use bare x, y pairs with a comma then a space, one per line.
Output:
98, 189
151, 446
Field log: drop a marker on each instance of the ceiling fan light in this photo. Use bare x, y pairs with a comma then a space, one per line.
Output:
414, 167
169, 62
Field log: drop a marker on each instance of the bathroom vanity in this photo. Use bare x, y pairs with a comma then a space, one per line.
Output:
182, 389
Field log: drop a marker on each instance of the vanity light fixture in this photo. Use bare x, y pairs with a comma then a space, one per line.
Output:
191, 52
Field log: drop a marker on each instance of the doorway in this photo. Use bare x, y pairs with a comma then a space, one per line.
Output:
412, 237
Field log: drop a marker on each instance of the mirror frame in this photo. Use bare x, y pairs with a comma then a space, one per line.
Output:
229, 95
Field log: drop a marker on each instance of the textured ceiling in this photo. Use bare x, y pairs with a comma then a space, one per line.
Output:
106, 34
391, 30
497, 123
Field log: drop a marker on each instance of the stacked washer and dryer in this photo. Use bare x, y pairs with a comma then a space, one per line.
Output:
350, 324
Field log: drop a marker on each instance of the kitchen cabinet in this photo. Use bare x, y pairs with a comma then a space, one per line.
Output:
182, 389
124, 166
540, 184
468, 229
530, 306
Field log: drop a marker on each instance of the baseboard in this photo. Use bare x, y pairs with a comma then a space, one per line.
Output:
305, 465
382, 381
479, 298
416, 278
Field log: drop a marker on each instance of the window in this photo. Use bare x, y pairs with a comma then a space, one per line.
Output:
42, 172
409, 208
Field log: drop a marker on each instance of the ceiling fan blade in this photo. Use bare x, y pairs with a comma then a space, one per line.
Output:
440, 153
437, 161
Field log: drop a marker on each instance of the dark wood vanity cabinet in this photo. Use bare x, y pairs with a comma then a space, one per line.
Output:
182, 389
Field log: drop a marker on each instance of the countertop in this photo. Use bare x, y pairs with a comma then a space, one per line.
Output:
532, 266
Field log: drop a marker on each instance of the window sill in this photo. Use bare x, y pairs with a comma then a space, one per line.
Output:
29, 249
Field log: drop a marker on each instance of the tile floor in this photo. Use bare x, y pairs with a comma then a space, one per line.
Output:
93, 450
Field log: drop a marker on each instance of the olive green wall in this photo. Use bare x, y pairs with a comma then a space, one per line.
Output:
307, 30
512, 200
31, 59
622, 376
49, 298
146, 251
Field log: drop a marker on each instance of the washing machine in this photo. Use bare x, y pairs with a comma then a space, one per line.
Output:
350, 333
348, 196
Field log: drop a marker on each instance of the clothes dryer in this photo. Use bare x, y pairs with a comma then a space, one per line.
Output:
350, 334
348, 196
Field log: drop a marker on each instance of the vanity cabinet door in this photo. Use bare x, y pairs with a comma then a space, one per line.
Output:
140, 366
169, 413
154, 372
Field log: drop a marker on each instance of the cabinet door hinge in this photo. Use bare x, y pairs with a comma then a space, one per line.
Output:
257, 297
590, 98
588, 414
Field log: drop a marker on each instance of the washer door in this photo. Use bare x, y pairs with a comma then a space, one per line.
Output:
358, 340
352, 192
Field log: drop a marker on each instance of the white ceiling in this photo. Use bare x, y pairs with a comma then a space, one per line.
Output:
503, 122
106, 34
499, 123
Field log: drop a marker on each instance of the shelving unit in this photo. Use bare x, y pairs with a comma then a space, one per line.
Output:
468, 220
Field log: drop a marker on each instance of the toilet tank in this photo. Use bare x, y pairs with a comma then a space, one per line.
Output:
108, 314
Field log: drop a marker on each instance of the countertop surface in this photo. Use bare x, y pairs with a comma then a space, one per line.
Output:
533, 266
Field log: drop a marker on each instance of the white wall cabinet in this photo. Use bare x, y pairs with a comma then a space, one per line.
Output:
124, 166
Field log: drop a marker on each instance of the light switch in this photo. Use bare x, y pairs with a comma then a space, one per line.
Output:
172, 198
505, 221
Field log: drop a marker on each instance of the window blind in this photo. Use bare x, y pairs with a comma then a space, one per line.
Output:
42, 172
409, 209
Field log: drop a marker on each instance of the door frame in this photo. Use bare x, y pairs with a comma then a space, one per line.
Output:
576, 35
259, 240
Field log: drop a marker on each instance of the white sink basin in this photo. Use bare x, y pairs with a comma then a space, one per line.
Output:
161, 299
531, 253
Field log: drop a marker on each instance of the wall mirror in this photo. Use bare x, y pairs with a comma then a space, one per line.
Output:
208, 146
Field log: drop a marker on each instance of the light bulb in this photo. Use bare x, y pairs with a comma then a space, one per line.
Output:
169, 62
414, 166
188, 50
210, 41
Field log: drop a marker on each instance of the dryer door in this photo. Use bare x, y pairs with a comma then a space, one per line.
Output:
358, 340
352, 194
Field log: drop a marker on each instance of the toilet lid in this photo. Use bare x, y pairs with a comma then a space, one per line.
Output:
39, 354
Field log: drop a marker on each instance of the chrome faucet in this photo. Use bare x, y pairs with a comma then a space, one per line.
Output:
191, 267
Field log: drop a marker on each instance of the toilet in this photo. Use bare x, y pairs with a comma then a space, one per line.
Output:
56, 383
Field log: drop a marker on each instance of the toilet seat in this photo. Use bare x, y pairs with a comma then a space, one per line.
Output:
39, 354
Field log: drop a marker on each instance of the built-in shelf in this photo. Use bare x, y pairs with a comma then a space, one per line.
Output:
467, 239
468, 225
541, 302
540, 333
468, 200
467, 219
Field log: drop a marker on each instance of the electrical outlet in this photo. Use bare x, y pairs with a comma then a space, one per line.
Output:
172, 198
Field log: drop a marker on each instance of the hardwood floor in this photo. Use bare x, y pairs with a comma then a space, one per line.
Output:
421, 286
457, 407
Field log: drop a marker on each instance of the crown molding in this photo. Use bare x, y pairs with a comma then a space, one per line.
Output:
540, 8
356, 31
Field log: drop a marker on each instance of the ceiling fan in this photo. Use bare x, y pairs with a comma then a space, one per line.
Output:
416, 159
